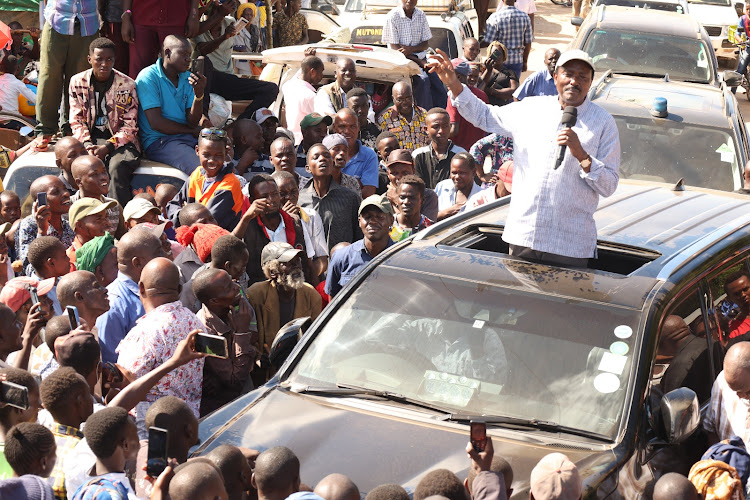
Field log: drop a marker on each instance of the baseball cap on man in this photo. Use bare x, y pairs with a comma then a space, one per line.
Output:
155, 229
461, 67
264, 114
137, 208
278, 250
313, 119
555, 477
575, 55
376, 200
87, 206
15, 293
399, 156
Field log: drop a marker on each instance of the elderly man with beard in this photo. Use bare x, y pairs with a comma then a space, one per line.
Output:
284, 296
225, 312
375, 220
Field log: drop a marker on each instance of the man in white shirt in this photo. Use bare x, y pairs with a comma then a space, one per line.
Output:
729, 410
551, 216
299, 94
11, 87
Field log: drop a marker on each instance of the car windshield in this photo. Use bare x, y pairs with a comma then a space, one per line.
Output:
21, 178
650, 54
646, 4
669, 151
479, 349
442, 38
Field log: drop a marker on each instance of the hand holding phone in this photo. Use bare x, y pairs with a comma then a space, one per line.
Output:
34, 295
158, 439
478, 435
197, 66
41, 199
211, 345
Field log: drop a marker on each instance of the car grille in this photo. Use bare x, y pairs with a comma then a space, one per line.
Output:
713, 30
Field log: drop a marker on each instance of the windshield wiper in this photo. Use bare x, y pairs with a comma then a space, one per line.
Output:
342, 390
525, 423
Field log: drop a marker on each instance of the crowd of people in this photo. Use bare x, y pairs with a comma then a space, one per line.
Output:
278, 214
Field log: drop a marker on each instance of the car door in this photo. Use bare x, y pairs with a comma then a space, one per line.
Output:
319, 25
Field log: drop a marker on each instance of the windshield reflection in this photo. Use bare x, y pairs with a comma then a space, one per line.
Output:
478, 349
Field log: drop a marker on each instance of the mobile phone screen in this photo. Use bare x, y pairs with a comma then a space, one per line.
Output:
213, 345
34, 295
197, 66
73, 316
41, 199
478, 435
157, 451
14, 395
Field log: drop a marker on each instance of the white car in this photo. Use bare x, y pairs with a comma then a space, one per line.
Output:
717, 16
375, 66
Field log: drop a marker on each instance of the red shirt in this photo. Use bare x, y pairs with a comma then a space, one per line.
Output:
160, 12
468, 134
739, 326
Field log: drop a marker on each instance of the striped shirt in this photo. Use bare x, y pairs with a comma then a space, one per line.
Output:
410, 134
401, 30
727, 415
512, 28
551, 210
337, 209
62, 15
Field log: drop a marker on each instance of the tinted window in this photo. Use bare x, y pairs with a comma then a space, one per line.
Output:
650, 54
641, 4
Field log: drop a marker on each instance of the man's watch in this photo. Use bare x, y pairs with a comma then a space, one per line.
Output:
586, 163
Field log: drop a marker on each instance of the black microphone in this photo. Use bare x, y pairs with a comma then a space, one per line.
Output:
569, 118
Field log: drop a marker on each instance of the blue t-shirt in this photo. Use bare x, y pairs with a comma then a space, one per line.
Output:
540, 83
363, 166
155, 90
345, 264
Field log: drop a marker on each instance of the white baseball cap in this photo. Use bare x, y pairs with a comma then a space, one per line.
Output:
264, 114
575, 55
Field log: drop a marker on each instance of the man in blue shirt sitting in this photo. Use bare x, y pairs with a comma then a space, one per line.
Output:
134, 250
362, 162
171, 106
541, 82
375, 220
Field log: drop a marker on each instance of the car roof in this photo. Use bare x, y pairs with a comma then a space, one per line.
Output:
686, 102
662, 22
372, 61
659, 228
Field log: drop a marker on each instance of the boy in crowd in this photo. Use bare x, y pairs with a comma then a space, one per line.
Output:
30, 449
11, 416
103, 115
401, 163
432, 162
212, 184
68, 149
409, 219
453, 193
88, 217
49, 259
92, 180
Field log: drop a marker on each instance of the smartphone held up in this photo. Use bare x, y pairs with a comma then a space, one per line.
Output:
478, 435
158, 440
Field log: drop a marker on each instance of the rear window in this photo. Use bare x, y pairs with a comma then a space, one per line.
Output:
442, 38
640, 4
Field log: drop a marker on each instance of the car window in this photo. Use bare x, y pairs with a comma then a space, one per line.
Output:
442, 38
645, 4
20, 179
682, 353
481, 350
730, 302
650, 54
667, 151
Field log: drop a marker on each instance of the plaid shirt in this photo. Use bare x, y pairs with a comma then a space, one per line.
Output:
66, 439
401, 30
727, 415
121, 103
62, 15
512, 28
411, 134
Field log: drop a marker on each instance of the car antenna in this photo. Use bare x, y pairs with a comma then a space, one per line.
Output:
680, 186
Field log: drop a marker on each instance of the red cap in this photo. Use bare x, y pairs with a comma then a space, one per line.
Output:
15, 293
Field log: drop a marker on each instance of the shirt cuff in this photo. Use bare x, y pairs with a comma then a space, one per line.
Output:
593, 173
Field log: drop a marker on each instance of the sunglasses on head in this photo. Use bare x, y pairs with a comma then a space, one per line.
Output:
214, 134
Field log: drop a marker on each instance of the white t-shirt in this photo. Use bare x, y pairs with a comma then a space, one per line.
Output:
299, 97
10, 88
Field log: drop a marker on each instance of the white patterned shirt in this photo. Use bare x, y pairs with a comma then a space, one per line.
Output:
727, 415
551, 210
401, 30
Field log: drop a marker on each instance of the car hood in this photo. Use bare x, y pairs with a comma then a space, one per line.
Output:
356, 438
714, 15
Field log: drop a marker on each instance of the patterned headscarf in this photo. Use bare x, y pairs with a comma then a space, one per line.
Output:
92, 253
716, 480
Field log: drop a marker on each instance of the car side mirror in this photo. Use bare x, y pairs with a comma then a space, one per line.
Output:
576, 21
731, 78
739, 8
679, 414
286, 339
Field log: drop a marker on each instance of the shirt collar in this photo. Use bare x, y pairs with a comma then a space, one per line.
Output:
168, 307
160, 70
66, 430
128, 283
364, 248
214, 322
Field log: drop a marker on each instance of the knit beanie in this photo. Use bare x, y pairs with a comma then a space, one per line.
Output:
201, 236
26, 487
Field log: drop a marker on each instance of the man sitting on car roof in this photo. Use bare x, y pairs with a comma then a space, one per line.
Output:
332, 97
